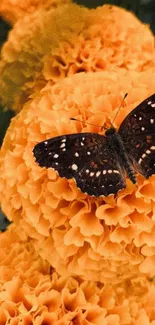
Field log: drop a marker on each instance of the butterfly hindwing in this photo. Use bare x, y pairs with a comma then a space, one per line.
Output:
142, 153
138, 134
87, 158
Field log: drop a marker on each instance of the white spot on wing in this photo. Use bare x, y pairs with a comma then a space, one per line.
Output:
62, 145
76, 154
74, 167
116, 171
152, 120
56, 155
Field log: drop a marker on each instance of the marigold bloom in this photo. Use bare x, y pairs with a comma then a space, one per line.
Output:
96, 238
32, 293
49, 45
12, 10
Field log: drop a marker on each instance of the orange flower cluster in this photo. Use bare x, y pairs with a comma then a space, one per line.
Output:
70, 258
32, 293
100, 239
12, 10
50, 45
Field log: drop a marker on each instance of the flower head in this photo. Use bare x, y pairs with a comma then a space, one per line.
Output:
12, 10
100, 239
50, 45
33, 293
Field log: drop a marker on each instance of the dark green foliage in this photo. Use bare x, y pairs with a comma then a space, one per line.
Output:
4, 122
131, 5
4, 29
3, 222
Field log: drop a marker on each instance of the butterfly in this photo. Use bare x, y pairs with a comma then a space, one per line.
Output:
100, 163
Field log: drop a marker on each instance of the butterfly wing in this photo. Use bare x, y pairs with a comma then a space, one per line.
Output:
138, 134
87, 158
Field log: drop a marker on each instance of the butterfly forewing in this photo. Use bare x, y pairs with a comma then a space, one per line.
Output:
138, 134
140, 120
87, 158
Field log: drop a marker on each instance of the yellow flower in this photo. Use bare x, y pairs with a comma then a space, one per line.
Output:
100, 239
12, 10
50, 45
33, 293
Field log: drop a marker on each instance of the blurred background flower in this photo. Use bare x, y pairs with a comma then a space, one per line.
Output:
43, 46
12, 10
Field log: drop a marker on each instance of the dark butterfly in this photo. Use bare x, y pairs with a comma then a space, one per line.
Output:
98, 163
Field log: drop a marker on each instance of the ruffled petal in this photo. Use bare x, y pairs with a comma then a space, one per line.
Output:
33, 293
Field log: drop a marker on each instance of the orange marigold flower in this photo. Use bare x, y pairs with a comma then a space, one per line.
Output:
32, 293
19, 259
96, 238
12, 10
49, 45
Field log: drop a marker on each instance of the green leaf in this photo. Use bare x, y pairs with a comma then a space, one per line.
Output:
5, 118
4, 29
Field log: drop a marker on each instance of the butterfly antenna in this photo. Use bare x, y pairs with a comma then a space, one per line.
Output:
101, 126
75, 119
119, 108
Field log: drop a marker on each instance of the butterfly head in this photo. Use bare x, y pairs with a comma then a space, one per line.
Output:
110, 131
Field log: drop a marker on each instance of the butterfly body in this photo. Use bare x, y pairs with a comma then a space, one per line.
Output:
117, 145
99, 163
